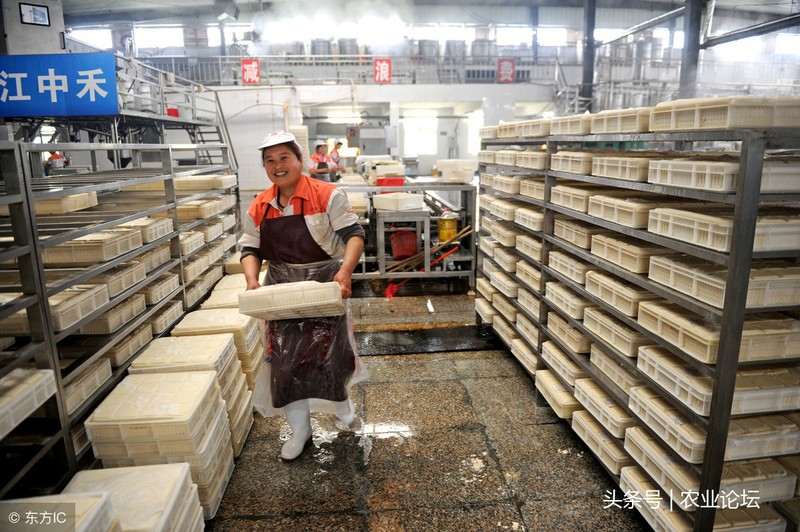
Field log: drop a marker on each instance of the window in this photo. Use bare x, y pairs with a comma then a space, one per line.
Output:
787, 44
552, 37
157, 36
419, 134
510, 36
663, 34
474, 123
606, 34
99, 38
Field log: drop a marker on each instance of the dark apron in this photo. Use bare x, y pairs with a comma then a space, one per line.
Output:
310, 357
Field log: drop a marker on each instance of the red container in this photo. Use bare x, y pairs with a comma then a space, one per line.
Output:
172, 111
404, 244
391, 182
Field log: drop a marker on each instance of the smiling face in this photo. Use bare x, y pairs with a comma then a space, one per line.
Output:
282, 166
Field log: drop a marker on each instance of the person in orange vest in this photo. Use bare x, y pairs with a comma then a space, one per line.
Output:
56, 160
321, 165
334, 155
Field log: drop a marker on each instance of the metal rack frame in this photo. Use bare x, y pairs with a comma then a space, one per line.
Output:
745, 202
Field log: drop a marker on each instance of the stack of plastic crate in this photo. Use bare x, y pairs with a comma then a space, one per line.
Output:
87, 511
155, 497
245, 329
214, 352
160, 418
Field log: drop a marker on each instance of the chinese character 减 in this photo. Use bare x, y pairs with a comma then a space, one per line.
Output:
53, 84
90, 83
250, 72
18, 85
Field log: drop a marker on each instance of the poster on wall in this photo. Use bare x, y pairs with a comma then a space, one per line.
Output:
505, 71
34, 14
382, 70
251, 72
58, 85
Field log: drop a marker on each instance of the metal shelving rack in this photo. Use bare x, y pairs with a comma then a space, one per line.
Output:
374, 266
745, 202
34, 233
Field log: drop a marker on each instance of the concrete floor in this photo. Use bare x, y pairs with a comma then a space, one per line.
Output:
444, 441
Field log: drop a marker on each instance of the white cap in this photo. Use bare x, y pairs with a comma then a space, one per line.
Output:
319, 142
278, 137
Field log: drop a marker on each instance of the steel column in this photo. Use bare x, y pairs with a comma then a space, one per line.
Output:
589, 12
691, 48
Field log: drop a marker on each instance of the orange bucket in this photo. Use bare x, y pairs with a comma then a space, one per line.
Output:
404, 244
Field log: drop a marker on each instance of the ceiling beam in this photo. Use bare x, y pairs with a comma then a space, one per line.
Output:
752, 31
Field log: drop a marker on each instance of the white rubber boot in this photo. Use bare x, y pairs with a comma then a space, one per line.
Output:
347, 418
297, 416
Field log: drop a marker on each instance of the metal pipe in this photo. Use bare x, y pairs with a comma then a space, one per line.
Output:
691, 48
647, 24
589, 12
752, 31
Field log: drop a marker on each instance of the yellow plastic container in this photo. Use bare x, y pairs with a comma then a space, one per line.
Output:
448, 225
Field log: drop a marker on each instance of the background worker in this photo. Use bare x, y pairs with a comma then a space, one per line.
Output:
321, 164
334, 155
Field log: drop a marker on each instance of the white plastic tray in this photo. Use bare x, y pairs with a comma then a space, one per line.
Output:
557, 396
485, 288
598, 440
503, 329
626, 252
120, 278
529, 274
576, 162
505, 307
621, 295
129, 345
505, 284
613, 370
567, 300
151, 228
529, 246
116, 317
154, 258
22, 391
222, 299
528, 301
572, 338
577, 232
217, 321
88, 512
603, 408
398, 201
618, 335
778, 174
67, 308
506, 259
524, 355
532, 187
632, 120
571, 125
85, 384
626, 168
570, 267
725, 113
561, 363
656, 511
293, 300
160, 288
96, 247
166, 316
485, 310
527, 329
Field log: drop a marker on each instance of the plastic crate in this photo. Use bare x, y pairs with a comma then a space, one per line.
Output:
487, 132
191, 241
154, 258
88, 512
505, 307
506, 157
486, 156
228, 221
530, 246
243, 424
97, 247
527, 329
116, 317
556, 394
293, 300
656, 512
486, 180
778, 174
165, 317
506, 259
201, 183
485, 310
528, 301
634, 120
569, 267
505, 209
603, 408
503, 329
626, 252
507, 183
529, 275
505, 284
532, 160
212, 276
539, 127
569, 336
604, 447
627, 211
488, 245
771, 389
524, 355
561, 363
130, 345
22, 391
194, 267
151, 228
222, 299
485, 288
571, 125
774, 283
569, 302
160, 288
622, 295
156, 407
529, 218
764, 336
505, 233
120, 278
219, 321
618, 335
625, 168
764, 476
194, 292
84, 385
398, 201
574, 197
792, 463
67, 308
751, 437
713, 229
73, 203
577, 232
612, 369
725, 113
575, 162
532, 187
507, 130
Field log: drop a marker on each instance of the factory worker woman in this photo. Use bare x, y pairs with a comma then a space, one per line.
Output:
308, 232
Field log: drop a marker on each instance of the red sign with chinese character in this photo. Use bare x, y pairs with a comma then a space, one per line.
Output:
505, 71
251, 72
382, 70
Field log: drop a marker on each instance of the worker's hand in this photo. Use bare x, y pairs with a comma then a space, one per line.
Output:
345, 283
252, 285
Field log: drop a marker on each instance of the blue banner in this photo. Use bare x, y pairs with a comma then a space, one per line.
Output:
58, 85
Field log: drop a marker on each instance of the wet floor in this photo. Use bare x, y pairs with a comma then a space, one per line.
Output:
451, 440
